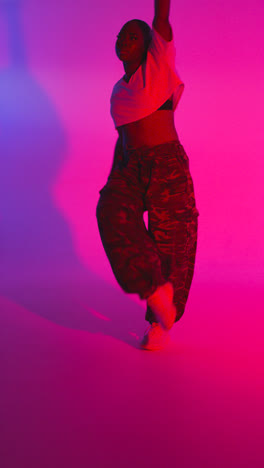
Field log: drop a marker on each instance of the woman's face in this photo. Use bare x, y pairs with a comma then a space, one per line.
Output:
130, 44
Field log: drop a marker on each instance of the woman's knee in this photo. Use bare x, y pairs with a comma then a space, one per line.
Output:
111, 210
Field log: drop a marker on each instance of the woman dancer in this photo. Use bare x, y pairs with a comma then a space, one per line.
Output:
150, 173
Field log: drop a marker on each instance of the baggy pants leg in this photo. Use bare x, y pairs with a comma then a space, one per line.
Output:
157, 180
173, 222
132, 253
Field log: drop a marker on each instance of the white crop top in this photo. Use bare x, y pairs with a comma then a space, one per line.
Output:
153, 83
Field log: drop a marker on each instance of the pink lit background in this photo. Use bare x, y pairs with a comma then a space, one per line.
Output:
75, 389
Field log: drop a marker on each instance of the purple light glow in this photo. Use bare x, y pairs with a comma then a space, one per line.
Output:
74, 387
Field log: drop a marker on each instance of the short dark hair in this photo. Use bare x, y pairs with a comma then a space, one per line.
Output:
145, 28
147, 31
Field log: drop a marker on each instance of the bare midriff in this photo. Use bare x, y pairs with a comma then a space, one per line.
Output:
155, 129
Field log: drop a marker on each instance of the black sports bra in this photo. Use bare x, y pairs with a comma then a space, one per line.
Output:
168, 105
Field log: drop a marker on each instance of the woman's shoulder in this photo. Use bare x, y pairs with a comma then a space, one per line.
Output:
160, 48
163, 29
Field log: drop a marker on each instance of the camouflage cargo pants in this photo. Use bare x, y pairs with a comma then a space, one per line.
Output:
154, 179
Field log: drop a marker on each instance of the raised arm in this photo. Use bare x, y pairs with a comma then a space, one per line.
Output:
161, 19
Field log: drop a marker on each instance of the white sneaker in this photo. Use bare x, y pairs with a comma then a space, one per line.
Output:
161, 303
155, 337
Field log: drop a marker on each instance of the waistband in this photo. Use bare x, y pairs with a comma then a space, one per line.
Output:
148, 150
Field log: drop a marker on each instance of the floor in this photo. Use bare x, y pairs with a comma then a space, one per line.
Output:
76, 390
